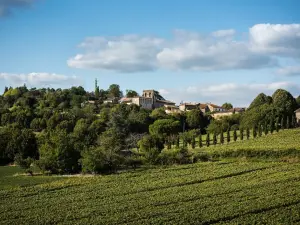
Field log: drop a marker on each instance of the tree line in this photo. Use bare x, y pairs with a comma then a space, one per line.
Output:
54, 130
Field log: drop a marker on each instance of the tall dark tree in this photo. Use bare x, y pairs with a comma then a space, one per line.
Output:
193, 142
200, 140
266, 130
282, 123
254, 132
178, 142
5, 90
259, 130
234, 135
294, 121
241, 134
207, 139
222, 137
247, 133
288, 126
277, 125
272, 125
215, 138
228, 135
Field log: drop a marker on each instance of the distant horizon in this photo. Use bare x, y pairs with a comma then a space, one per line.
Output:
192, 51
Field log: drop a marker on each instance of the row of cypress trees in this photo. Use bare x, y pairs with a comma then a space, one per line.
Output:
257, 131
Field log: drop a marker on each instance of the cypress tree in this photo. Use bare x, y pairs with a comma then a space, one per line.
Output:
277, 125
169, 143
234, 135
272, 125
215, 141
259, 130
193, 143
222, 137
242, 134
294, 122
178, 142
207, 140
248, 133
287, 122
228, 135
200, 141
282, 123
266, 128
254, 132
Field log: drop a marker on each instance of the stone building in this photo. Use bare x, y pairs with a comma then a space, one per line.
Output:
150, 99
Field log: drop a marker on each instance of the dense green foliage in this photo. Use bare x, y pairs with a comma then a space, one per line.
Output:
203, 193
70, 131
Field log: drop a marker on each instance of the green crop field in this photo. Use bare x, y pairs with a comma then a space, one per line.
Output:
236, 192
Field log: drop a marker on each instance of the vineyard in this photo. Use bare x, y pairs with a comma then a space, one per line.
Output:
203, 193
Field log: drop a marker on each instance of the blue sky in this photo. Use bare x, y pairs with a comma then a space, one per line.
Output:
192, 50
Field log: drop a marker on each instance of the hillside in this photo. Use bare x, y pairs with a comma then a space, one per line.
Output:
283, 143
202, 193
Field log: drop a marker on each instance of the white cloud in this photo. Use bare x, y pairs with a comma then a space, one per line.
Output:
7, 5
289, 71
219, 50
237, 94
128, 53
39, 79
277, 39
224, 33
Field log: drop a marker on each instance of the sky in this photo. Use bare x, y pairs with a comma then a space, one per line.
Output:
190, 51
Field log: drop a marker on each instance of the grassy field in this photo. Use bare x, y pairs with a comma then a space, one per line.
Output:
286, 143
236, 192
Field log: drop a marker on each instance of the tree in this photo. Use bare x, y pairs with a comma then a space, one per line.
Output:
261, 99
272, 125
164, 128
106, 156
227, 106
259, 130
277, 125
266, 131
131, 93
193, 118
215, 141
151, 147
57, 153
200, 141
228, 135
207, 139
294, 121
114, 91
247, 133
159, 113
254, 132
5, 90
178, 142
282, 123
241, 134
284, 102
222, 138
234, 135
298, 101
193, 143
288, 122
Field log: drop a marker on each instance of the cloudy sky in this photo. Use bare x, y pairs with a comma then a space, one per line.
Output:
191, 50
